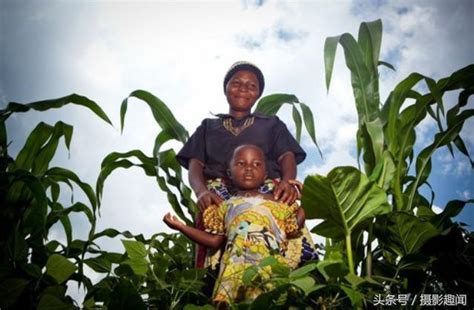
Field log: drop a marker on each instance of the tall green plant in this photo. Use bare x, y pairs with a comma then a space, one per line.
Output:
386, 139
35, 270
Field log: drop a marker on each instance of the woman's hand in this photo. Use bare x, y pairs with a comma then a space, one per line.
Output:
173, 222
288, 191
207, 198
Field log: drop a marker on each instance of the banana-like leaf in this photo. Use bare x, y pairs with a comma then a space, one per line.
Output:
344, 199
452, 209
386, 64
65, 175
364, 85
57, 103
270, 105
461, 79
162, 114
165, 161
309, 124
404, 233
423, 163
37, 138
370, 40
298, 123
35, 187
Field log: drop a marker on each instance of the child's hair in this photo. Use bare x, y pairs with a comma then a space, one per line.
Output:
232, 154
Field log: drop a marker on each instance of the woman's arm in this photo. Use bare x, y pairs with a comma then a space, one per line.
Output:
284, 191
205, 198
300, 217
199, 236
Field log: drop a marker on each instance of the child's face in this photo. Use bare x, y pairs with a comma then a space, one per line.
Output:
247, 168
242, 90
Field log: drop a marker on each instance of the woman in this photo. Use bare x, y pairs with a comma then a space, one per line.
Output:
208, 150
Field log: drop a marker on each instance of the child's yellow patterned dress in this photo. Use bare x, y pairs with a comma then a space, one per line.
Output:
255, 228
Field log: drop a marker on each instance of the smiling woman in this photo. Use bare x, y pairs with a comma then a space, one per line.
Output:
208, 150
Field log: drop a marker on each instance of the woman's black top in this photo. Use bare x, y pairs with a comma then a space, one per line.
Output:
213, 145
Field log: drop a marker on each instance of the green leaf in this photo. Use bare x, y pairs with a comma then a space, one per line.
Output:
99, 264
354, 295
270, 105
135, 249
59, 267
10, 290
125, 296
345, 199
404, 233
370, 40
48, 302
249, 274
332, 268
364, 85
452, 209
33, 144
423, 163
298, 123
304, 283
45, 155
330, 47
376, 142
309, 124
386, 64
162, 114
61, 174
302, 271
57, 103
139, 265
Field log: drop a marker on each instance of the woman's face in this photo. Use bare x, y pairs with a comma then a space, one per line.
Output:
247, 168
242, 91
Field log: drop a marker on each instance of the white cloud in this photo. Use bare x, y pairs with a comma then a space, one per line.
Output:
180, 52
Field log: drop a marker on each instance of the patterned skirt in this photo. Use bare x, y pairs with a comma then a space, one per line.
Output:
300, 250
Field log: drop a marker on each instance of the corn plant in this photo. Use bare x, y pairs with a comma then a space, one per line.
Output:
384, 199
35, 270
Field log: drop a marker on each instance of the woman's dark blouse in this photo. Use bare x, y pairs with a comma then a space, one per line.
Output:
213, 145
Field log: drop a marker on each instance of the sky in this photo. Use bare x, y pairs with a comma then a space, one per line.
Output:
180, 51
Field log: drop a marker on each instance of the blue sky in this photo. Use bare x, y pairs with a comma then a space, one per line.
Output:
180, 52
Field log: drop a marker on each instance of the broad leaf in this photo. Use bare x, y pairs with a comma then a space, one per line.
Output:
345, 199
404, 233
59, 267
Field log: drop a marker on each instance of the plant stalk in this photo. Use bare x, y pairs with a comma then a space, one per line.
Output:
350, 260
368, 261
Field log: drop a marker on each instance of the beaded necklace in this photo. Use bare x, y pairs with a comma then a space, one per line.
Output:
227, 123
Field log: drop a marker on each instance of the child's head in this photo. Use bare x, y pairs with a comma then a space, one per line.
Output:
247, 167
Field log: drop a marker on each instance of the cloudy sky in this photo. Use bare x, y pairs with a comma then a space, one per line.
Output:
180, 51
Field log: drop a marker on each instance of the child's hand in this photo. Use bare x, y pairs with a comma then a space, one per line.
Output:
172, 221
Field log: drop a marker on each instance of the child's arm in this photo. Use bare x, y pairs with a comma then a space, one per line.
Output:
203, 238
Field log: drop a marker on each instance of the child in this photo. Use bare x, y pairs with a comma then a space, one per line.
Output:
252, 225
207, 151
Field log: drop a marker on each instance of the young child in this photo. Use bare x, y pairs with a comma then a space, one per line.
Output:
251, 224
207, 151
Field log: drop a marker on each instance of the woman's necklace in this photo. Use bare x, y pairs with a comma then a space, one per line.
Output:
227, 122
